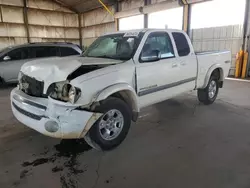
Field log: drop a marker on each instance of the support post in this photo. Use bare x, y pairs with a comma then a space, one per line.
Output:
186, 18
80, 29
245, 45
116, 19
146, 2
26, 22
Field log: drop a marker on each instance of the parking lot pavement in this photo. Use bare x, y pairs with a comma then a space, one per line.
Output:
177, 143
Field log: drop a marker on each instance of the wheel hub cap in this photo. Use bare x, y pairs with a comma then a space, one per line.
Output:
111, 124
212, 89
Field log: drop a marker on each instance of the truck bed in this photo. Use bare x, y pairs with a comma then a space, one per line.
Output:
210, 60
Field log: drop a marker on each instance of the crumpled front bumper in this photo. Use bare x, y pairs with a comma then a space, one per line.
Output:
50, 117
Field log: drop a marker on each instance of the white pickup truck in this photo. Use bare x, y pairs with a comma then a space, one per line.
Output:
96, 96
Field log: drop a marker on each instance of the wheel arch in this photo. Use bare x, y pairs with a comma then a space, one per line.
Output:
124, 92
214, 70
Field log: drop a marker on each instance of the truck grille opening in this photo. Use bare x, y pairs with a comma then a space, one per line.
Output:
31, 86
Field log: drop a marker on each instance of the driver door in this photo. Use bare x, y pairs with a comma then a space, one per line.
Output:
154, 78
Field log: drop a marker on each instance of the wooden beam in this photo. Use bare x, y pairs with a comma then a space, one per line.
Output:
146, 2
186, 18
26, 21
117, 5
80, 29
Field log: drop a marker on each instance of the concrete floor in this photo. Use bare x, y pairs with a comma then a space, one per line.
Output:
178, 143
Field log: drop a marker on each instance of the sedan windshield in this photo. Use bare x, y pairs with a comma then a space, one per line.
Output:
116, 46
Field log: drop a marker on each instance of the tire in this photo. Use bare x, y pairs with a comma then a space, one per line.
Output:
205, 96
2, 82
119, 114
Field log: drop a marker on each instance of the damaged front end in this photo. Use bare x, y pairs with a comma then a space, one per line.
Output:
53, 112
50, 117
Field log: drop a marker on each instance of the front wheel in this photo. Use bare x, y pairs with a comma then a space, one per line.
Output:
209, 94
113, 126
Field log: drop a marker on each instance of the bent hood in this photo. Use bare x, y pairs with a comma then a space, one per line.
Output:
57, 69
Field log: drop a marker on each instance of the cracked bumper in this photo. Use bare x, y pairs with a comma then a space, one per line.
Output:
51, 118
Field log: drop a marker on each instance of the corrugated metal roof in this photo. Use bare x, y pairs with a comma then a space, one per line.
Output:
82, 6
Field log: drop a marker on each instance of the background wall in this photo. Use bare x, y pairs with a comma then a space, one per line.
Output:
219, 38
48, 22
95, 23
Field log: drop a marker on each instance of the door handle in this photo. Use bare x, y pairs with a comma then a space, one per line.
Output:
174, 65
183, 63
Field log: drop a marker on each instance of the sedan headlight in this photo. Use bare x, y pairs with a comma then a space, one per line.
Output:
66, 92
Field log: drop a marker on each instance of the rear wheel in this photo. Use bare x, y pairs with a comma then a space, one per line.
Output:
209, 94
113, 126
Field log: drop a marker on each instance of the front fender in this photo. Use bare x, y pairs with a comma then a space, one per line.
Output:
125, 90
210, 71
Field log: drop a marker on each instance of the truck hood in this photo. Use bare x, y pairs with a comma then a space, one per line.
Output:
58, 69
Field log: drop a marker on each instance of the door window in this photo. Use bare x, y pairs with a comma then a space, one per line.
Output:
66, 51
160, 42
44, 51
181, 44
18, 54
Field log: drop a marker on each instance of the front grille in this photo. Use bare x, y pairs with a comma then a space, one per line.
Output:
31, 86
24, 112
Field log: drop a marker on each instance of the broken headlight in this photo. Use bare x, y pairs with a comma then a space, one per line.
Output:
66, 92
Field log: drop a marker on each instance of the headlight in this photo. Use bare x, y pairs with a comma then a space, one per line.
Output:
66, 92
74, 94
20, 75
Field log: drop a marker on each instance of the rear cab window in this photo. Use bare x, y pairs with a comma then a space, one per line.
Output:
182, 45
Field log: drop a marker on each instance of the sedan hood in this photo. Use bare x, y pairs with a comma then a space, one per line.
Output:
58, 69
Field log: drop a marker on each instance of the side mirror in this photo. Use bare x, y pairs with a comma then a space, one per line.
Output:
6, 58
154, 55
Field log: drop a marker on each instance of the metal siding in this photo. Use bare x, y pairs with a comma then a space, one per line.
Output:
12, 30
71, 20
219, 38
97, 16
41, 17
46, 5
158, 1
88, 41
130, 4
71, 33
12, 14
12, 2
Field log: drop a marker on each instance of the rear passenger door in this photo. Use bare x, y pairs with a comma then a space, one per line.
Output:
187, 60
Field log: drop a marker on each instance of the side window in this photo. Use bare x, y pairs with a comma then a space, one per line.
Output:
181, 44
39, 52
52, 51
18, 54
44, 51
66, 51
159, 41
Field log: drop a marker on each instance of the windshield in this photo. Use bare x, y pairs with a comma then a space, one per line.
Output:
116, 46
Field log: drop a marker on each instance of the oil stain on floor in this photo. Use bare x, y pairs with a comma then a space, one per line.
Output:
64, 159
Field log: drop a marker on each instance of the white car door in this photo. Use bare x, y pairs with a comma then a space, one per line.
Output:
187, 58
156, 78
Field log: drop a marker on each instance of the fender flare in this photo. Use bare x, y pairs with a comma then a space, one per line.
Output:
121, 87
210, 71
